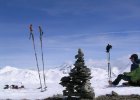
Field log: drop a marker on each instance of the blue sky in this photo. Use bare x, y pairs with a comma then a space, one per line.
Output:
67, 26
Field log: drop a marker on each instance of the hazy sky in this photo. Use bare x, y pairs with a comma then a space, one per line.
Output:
67, 26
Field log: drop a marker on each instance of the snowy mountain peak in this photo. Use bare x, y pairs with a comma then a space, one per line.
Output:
65, 68
7, 69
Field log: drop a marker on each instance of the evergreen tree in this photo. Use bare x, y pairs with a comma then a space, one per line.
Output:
78, 82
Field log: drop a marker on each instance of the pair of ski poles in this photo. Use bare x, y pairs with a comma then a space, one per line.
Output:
33, 40
108, 47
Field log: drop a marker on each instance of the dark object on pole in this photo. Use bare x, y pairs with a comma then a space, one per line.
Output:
32, 36
108, 47
41, 34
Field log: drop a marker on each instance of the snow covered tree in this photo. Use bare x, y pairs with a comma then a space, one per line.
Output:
78, 82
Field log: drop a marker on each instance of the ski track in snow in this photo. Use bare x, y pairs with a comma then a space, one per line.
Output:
29, 78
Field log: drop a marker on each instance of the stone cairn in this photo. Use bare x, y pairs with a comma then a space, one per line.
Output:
78, 82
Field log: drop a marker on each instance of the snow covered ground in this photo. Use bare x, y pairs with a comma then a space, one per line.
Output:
29, 78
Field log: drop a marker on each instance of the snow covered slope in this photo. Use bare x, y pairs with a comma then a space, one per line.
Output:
29, 78
25, 76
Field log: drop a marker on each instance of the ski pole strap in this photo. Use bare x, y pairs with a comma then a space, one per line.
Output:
31, 31
31, 28
41, 32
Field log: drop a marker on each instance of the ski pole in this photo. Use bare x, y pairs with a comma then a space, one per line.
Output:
108, 47
41, 34
32, 36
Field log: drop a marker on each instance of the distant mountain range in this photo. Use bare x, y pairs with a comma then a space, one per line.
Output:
10, 75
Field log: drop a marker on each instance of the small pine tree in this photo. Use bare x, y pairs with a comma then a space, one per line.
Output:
78, 82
